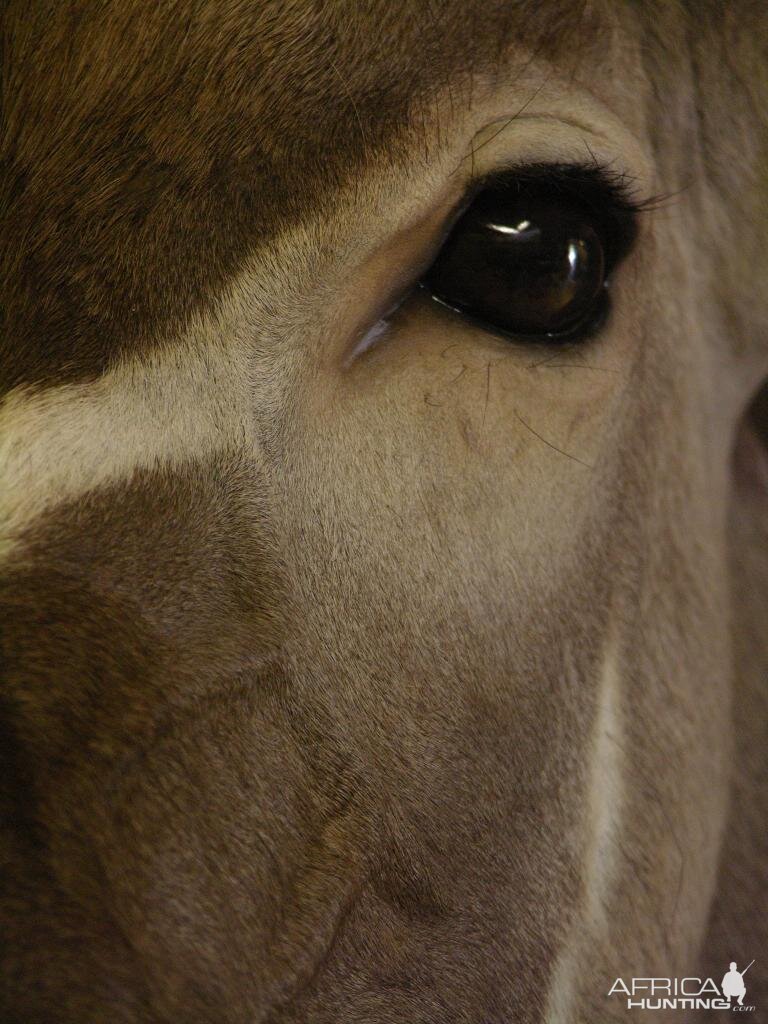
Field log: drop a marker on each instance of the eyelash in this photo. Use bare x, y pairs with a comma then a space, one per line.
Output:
619, 187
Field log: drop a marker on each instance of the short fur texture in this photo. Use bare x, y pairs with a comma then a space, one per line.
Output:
333, 689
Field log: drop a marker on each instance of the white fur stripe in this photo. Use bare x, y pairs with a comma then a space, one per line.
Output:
606, 790
604, 808
61, 442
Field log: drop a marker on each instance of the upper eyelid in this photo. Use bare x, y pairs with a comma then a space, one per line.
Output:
557, 131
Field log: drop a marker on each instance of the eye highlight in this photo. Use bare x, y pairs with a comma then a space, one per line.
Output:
532, 254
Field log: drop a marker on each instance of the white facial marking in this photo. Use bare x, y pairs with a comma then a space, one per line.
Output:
64, 441
605, 798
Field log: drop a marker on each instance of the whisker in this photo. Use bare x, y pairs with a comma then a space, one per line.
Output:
577, 366
514, 117
343, 81
575, 458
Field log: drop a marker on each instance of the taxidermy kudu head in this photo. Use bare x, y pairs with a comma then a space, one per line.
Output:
383, 507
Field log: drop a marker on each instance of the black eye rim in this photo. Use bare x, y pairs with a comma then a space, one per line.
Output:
608, 197
581, 330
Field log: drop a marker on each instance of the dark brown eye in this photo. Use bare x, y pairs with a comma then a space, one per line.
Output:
531, 258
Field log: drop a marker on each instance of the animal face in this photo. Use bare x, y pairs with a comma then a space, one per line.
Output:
371, 509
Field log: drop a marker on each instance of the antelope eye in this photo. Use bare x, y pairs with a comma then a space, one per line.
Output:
531, 259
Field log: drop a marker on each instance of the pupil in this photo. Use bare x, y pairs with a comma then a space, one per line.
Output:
526, 264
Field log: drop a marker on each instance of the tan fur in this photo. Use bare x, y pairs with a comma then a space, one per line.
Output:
422, 683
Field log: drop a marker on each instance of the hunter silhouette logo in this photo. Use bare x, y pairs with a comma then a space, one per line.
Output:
689, 993
733, 983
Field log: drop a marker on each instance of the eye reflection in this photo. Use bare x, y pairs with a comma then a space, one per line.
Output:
517, 229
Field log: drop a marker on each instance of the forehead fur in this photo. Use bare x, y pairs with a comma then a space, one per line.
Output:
149, 147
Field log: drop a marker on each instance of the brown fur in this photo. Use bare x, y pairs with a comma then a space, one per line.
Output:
132, 130
373, 706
